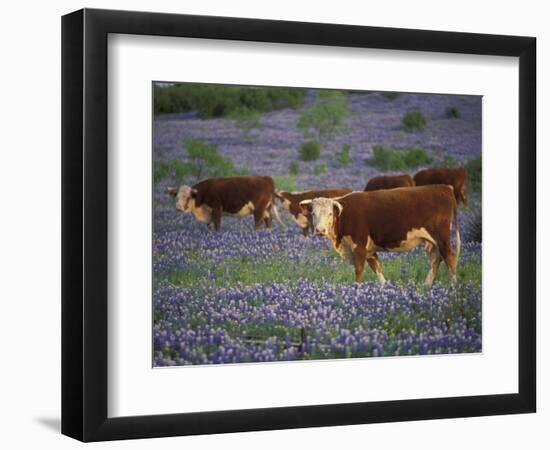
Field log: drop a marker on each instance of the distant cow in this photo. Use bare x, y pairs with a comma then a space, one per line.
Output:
361, 224
291, 202
389, 182
209, 199
454, 177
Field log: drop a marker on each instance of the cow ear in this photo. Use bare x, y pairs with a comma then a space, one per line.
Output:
338, 208
306, 207
194, 193
172, 191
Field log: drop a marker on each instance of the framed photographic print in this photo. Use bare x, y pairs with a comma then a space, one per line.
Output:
273, 224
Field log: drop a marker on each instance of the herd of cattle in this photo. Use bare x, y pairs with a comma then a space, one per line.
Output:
393, 213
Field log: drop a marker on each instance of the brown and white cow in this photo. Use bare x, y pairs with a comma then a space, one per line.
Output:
361, 224
389, 182
456, 177
209, 199
291, 202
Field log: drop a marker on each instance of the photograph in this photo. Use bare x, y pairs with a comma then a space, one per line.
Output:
294, 224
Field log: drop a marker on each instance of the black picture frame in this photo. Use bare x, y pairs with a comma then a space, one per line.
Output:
84, 224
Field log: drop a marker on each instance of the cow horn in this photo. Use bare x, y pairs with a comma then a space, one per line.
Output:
305, 202
172, 191
339, 206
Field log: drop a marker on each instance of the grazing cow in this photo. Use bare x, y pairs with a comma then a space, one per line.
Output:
361, 224
209, 199
453, 177
291, 202
389, 182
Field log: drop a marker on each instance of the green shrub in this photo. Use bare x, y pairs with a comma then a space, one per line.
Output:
399, 159
343, 156
473, 172
320, 169
413, 120
210, 100
246, 119
452, 112
294, 168
285, 183
473, 224
326, 117
310, 150
161, 171
390, 95
207, 162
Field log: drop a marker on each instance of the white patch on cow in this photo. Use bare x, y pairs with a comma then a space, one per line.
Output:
286, 204
371, 247
301, 220
380, 278
247, 209
202, 214
414, 238
345, 249
184, 202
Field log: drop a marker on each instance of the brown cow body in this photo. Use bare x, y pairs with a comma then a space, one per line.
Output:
455, 177
209, 199
389, 182
291, 202
361, 224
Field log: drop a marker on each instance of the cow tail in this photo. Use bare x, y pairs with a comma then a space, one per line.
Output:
457, 232
276, 212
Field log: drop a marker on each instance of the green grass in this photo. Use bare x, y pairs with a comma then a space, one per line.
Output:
399, 159
410, 267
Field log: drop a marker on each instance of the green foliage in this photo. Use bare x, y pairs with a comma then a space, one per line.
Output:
320, 169
285, 183
310, 150
161, 171
473, 228
452, 112
473, 171
210, 100
413, 120
294, 168
175, 169
246, 119
446, 161
398, 159
326, 117
391, 95
343, 156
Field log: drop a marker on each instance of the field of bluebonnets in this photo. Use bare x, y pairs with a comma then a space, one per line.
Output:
241, 295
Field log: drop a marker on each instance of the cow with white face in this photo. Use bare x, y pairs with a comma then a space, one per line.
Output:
209, 199
361, 224
291, 202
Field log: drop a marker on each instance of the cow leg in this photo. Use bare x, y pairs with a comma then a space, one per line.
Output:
375, 265
435, 260
217, 218
450, 259
268, 221
258, 217
305, 230
360, 255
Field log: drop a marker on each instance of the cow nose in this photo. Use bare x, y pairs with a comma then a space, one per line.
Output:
320, 230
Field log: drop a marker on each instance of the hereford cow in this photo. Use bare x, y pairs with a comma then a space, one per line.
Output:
453, 177
209, 199
291, 202
389, 182
361, 224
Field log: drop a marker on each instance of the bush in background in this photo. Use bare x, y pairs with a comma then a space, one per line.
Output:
246, 119
210, 100
452, 112
413, 120
390, 95
320, 169
294, 168
326, 117
310, 150
285, 183
473, 225
398, 159
473, 171
343, 156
